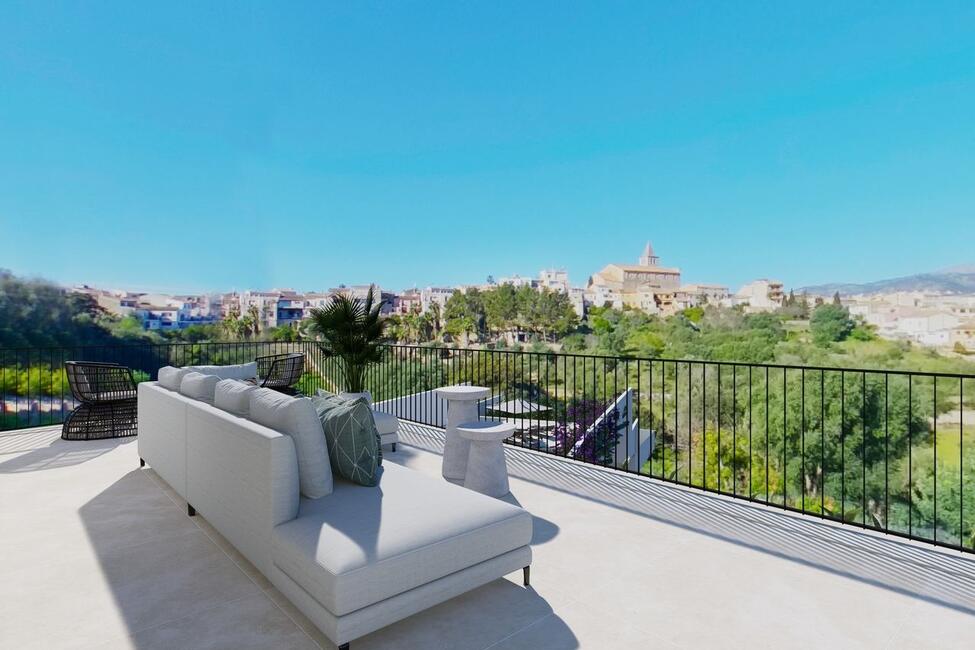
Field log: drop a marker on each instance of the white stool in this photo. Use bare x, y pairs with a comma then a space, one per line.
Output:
461, 408
487, 470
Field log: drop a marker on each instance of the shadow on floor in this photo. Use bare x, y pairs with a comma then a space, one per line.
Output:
174, 587
940, 576
43, 448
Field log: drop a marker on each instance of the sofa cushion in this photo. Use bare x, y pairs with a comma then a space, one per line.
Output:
357, 547
196, 385
297, 418
233, 396
353, 443
385, 422
171, 377
238, 371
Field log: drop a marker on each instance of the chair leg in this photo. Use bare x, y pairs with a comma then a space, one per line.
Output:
394, 446
190, 510
142, 462
526, 573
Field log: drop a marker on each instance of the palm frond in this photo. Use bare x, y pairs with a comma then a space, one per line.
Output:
352, 330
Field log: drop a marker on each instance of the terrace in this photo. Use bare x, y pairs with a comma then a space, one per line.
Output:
100, 553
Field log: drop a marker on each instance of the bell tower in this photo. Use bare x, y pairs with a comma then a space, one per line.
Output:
648, 258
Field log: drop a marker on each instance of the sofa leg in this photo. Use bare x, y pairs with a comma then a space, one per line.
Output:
394, 446
142, 462
344, 646
190, 510
526, 573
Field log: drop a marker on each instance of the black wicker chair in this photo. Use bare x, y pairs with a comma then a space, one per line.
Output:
107, 394
280, 372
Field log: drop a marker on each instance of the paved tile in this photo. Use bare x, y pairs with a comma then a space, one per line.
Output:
97, 553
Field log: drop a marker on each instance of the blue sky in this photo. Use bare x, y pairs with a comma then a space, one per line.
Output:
280, 144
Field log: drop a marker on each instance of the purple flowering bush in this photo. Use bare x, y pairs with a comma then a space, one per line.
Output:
600, 444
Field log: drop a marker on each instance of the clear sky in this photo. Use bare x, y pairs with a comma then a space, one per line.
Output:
182, 147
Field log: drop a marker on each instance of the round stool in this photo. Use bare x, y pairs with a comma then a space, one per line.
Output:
461, 407
487, 471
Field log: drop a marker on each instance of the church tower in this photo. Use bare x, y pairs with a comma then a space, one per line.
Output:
648, 258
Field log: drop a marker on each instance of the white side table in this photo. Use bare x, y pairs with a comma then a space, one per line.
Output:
487, 470
461, 408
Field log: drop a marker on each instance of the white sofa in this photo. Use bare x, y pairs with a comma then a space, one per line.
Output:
353, 561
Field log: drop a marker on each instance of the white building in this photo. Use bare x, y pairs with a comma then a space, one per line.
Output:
554, 280
158, 317
517, 281
360, 291
407, 302
599, 295
435, 296
316, 300
695, 295
577, 297
760, 295
274, 308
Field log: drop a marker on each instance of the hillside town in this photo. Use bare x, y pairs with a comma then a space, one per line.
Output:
936, 320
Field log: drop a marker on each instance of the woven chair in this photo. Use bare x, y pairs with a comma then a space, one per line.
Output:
280, 372
107, 394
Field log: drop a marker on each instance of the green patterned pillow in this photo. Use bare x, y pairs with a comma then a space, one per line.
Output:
351, 438
321, 392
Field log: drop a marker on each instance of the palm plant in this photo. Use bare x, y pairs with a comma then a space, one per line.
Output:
351, 330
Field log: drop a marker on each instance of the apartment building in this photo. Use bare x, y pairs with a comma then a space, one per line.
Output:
407, 302
554, 280
696, 295
273, 308
760, 295
435, 296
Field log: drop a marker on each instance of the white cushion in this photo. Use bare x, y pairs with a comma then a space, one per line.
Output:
297, 418
171, 378
239, 371
360, 546
196, 385
233, 396
385, 423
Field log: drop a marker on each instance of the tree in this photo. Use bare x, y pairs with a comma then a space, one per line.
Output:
283, 333
836, 299
232, 324
554, 315
501, 308
464, 314
830, 323
352, 330
37, 313
694, 314
255, 321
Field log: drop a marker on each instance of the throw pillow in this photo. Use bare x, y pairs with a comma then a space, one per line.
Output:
171, 377
353, 442
196, 385
321, 392
238, 371
296, 417
233, 396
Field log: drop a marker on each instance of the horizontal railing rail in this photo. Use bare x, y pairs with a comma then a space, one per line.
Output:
887, 450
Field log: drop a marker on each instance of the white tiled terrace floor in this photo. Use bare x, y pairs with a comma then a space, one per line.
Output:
96, 553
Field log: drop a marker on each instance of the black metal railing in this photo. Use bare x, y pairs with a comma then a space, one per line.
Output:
34, 388
887, 450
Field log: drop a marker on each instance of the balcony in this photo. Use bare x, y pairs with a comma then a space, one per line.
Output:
99, 553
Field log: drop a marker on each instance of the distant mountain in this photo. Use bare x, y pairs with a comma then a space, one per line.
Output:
955, 280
